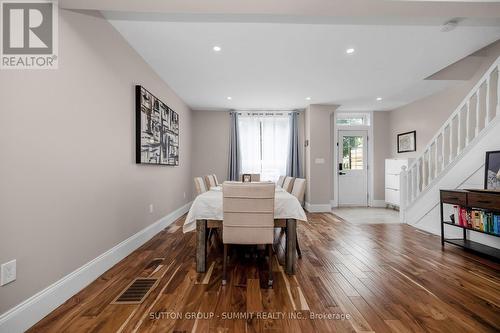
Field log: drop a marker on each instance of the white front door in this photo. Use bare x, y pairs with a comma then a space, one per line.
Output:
352, 173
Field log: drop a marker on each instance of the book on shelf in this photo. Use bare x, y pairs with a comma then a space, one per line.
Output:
478, 219
455, 214
463, 217
489, 222
485, 221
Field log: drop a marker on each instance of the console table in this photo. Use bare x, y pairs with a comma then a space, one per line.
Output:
488, 201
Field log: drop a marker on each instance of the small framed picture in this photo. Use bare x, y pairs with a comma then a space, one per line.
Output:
246, 178
492, 171
407, 142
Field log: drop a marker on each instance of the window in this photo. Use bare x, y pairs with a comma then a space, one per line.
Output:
264, 141
352, 154
349, 119
353, 121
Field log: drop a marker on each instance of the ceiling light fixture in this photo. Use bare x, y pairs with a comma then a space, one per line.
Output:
450, 25
308, 98
349, 51
217, 48
229, 98
379, 98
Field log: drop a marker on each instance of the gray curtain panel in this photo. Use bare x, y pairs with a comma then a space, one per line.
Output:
293, 162
234, 149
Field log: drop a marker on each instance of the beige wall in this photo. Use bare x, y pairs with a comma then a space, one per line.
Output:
69, 187
211, 143
381, 151
427, 115
318, 132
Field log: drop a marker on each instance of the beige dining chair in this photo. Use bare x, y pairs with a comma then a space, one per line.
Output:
199, 185
255, 177
298, 191
216, 180
288, 184
280, 181
248, 218
210, 181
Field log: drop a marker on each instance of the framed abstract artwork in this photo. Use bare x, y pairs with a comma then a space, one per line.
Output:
492, 171
407, 142
157, 130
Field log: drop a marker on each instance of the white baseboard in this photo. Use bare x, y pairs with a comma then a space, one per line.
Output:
322, 208
378, 203
32, 310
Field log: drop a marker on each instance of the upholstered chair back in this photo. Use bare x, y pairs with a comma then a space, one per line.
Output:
210, 181
299, 189
248, 210
288, 184
255, 177
199, 185
216, 180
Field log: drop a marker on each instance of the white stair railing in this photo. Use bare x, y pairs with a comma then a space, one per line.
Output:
471, 117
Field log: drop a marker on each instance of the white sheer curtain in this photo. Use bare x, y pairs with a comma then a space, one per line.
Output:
249, 128
264, 140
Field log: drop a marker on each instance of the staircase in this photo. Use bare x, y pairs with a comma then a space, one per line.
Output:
459, 143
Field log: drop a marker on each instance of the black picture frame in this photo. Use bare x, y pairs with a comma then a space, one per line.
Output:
414, 148
492, 165
157, 130
246, 178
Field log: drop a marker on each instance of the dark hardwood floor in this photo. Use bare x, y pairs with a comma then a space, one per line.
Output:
368, 278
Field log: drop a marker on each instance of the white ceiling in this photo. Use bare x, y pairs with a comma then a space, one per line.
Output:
276, 66
277, 52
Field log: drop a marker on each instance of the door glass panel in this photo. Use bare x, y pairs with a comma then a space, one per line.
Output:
352, 153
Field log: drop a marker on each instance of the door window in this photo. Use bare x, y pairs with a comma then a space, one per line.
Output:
352, 153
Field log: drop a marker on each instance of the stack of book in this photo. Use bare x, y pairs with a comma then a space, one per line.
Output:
477, 219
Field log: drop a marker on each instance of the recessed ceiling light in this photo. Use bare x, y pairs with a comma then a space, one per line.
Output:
450, 25
308, 98
349, 51
217, 48
229, 98
379, 98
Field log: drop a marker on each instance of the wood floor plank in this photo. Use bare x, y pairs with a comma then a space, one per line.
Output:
351, 278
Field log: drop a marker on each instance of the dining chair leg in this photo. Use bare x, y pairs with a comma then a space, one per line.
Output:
224, 266
299, 252
270, 249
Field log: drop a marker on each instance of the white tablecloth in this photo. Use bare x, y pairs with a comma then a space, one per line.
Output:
208, 206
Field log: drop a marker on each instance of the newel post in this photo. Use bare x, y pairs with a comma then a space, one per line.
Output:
403, 193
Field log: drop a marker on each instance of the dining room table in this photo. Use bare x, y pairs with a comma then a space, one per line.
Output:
206, 212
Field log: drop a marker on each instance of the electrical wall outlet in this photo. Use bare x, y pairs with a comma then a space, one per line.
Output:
151, 208
7, 272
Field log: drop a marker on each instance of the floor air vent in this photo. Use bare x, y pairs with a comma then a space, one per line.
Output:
136, 292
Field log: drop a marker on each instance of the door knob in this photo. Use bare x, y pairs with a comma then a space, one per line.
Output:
341, 173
